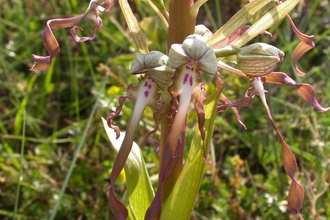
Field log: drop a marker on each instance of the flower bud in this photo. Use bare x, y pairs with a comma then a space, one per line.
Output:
258, 59
148, 61
203, 31
193, 48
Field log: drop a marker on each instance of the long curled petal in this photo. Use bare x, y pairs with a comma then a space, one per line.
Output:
224, 100
296, 191
49, 40
305, 91
305, 45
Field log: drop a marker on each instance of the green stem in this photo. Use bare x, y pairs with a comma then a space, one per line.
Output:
21, 166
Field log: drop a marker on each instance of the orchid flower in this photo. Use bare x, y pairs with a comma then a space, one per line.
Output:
257, 62
145, 93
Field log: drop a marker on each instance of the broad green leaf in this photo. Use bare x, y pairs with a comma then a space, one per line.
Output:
139, 191
180, 203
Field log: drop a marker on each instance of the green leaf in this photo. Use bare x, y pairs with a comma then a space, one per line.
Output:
180, 203
139, 191
237, 21
133, 26
265, 22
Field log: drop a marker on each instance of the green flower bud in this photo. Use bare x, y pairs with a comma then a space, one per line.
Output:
148, 61
193, 48
258, 59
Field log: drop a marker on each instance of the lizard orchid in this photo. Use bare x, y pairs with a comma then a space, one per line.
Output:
168, 83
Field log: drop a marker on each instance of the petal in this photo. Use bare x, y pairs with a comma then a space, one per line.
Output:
296, 192
231, 69
139, 192
241, 103
305, 91
50, 42
144, 94
208, 62
163, 76
177, 56
223, 99
148, 61
203, 31
305, 45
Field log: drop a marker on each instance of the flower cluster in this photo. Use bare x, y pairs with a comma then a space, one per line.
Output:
172, 81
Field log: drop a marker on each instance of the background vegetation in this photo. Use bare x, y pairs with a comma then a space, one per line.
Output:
46, 117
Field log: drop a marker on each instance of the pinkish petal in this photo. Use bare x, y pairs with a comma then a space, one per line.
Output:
223, 99
305, 91
295, 197
144, 93
231, 69
49, 40
150, 139
186, 84
121, 212
172, 155
83, 39
116, 113
241, 103
296, 192
305, 45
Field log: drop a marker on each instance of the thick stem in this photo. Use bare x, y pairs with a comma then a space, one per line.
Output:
181, 24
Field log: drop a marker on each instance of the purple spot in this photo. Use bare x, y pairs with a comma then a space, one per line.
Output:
185, 79
149, 86
145, 84
190, 68
146, 94
191, 81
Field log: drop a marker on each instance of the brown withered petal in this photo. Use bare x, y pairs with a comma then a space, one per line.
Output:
49, 40
241, 103
305, 45
295, 197
305, 91
296, 191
